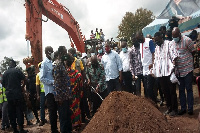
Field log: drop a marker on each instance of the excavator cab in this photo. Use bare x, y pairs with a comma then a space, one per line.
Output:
91, 46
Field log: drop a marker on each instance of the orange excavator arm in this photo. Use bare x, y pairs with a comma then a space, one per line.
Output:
58, 14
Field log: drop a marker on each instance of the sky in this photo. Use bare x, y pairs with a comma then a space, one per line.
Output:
90, 14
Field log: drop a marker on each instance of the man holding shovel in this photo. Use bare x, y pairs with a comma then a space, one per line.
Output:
96, 79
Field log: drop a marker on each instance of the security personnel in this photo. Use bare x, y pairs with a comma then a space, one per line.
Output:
12, 79
41, 96
3, 100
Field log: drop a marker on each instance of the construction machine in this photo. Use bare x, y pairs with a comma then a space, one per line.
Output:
58, 14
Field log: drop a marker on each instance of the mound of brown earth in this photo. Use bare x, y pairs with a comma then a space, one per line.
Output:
123, 112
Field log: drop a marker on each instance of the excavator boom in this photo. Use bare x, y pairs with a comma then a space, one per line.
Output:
58, 14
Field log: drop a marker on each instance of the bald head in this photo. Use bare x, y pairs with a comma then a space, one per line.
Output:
176, 32
124, 44
48, 52
94, 61
47, 49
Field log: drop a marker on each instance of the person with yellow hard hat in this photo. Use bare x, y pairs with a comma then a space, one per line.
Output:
41, 97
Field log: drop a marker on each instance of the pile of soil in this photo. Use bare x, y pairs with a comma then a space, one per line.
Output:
124, 112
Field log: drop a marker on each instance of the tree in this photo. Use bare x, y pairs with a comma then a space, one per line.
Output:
4, 64
133, 22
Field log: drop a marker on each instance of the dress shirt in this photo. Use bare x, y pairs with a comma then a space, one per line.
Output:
112, 65
184, 62
46, 76
125, 60
135, 61
163, 59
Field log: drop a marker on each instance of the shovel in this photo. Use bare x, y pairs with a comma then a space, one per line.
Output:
97, 93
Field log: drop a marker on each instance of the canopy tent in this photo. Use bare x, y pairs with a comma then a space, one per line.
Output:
154, 27
176, 8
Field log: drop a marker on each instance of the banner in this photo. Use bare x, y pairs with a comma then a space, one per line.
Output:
180, 8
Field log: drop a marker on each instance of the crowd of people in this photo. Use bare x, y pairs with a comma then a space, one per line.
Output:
73, 84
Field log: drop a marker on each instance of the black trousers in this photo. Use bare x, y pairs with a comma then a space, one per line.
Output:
65, 116
149, 87
158, 88
97, 100
138, 85
169, 91
15, 111
113, 85
127, 80
33, 100
52, 108
84, 107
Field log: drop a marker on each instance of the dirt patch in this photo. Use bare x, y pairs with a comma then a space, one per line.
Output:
124, 112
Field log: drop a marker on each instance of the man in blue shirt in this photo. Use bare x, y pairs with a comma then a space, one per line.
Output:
46, 78
113, 68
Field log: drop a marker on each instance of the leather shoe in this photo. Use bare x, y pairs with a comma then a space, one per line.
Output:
167, 112
161, 103
173, 113
3, 127
181, 112
23, 131
29, 123
190, 112
8, 126
41, 123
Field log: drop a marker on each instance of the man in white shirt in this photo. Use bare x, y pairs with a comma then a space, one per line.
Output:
165, 54
147, 49
126, 74
113, 68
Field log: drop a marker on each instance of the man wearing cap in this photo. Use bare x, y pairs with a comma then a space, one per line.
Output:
12, 82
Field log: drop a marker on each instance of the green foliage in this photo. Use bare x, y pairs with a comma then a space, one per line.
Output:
133, 22
4, 64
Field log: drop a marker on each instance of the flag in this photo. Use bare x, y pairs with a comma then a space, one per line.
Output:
180, 8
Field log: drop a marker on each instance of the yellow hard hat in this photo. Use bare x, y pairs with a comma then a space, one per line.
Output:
39, 64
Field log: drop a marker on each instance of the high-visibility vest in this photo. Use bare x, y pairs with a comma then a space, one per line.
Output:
41, 84
97, 35
41, 87
3, 95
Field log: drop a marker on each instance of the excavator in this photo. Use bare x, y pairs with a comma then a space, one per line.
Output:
58, 14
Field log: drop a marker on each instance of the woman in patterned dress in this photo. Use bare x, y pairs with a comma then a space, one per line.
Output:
76, 90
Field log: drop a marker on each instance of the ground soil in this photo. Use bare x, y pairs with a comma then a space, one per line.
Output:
123, 112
